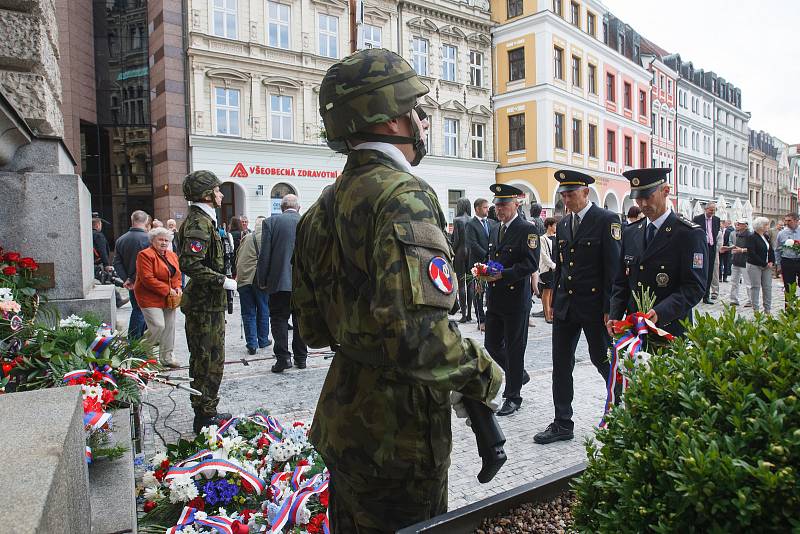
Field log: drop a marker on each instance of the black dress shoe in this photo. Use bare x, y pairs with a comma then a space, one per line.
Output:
251, 350
508, 407
300, 364
280, 366
201, 421
465, 319
525, 377
553, 432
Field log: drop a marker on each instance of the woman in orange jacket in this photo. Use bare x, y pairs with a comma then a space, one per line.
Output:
158, 290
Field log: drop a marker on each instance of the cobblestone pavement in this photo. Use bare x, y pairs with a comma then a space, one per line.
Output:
292, 395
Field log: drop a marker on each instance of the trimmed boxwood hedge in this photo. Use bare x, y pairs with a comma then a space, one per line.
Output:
709, 437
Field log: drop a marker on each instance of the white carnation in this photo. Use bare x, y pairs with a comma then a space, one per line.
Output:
153, 494
159, 458
5, 294
303, 515
788, 243
182, 489
149, 480
73, 321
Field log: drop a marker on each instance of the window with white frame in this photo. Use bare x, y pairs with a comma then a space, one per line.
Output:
451, 137
227, 106
449, 54
475, 68
225, 18
419, 55
281, 113
328, 36
477, 139
278, 25
370, 36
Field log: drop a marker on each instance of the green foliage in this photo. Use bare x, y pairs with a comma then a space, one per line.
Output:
709, 437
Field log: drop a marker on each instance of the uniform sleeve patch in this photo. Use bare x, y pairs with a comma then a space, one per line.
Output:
441, 274
196, 246
616, 231
697, 260
533, 241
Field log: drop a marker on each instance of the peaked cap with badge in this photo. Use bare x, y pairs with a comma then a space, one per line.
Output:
572, 180
645, 181
506, 193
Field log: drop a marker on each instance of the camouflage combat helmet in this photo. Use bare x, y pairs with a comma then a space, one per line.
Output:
198, 185
369, 87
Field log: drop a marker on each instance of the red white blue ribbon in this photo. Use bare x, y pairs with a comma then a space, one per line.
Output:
205, 453
88, 455
226, 425
294, 502
95, 420
223, 525
217, 465
105, 335
105, 370
634, 329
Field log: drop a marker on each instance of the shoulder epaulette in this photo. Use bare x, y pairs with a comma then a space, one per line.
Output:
687, 222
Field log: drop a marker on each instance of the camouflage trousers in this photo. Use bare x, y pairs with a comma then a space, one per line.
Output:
205, 335
362, 504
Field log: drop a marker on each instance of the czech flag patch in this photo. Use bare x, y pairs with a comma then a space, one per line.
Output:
441, 274
196, 246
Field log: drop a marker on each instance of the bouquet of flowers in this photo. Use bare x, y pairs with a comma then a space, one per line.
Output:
249, 475
630, 334
791, 244
483, 271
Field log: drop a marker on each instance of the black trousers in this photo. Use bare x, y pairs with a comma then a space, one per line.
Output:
565, 339
506, 340
725, 264
791, 272
466, 291
712, 264
279, 312
477, 301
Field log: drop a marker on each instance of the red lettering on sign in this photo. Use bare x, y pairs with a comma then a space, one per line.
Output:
239, 171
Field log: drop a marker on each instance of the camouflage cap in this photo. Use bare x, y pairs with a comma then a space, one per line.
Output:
198, 185
369, 87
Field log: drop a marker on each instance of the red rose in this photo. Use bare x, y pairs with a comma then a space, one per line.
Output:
315, 525
247, 487
11, 257
239, 528
9, 271
28, 263
160, 474
197, 503
323, 498
262, 443
7, 367
149, 505
247, 513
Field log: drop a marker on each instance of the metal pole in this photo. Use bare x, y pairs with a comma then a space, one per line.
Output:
353, 27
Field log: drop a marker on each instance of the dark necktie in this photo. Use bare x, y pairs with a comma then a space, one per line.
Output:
576, 221
502, 233
485, 227
651, 233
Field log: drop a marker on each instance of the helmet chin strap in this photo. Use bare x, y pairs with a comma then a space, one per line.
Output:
417, 142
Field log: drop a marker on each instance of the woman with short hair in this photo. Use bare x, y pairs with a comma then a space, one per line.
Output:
760, 259
157, 289
547, 266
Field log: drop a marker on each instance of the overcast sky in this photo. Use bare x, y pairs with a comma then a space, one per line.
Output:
754, 45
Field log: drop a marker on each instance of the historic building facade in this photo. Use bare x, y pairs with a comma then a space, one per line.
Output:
570, 93
663, 114
764, 191
255, 68
695, 136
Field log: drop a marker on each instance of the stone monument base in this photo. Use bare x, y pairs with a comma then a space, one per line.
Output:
100, 302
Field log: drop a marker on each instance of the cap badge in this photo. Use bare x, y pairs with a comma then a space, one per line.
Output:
561, 175
635, 182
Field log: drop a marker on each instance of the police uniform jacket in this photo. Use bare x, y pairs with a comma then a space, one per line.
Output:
202, 261
518, 252
586, 265
673, 266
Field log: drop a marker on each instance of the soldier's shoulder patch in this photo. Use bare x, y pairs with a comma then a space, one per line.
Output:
533, 241
687, 222
440, 273
196, 246
697, 260
616, 231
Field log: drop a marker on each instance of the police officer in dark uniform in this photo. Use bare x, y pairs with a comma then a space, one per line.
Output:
515, 244
586, 256
663, 252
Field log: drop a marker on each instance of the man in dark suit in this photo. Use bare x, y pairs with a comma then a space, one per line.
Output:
663, 252
274, 276
478, 229
514, 243
710, 224
586, 258
461, 258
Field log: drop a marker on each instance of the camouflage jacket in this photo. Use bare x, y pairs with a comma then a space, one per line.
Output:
362, 284
201, 260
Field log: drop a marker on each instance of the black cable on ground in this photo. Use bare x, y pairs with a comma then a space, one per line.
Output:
174, 407
155, 423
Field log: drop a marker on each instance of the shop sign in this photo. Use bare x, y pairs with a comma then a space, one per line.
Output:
240, 171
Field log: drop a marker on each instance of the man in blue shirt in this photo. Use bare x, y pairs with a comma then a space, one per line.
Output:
787, 258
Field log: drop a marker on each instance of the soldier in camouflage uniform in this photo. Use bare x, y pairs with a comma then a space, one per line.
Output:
204, 300
373, 278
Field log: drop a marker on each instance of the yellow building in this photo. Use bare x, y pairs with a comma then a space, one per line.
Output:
570, 92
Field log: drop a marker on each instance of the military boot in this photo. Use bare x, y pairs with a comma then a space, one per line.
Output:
201, 421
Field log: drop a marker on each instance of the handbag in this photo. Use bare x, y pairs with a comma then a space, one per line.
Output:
173, 301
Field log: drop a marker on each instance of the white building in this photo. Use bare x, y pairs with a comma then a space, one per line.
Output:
255, 69
695, 131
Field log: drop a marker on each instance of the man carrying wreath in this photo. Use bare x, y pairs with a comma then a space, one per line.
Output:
664, 253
